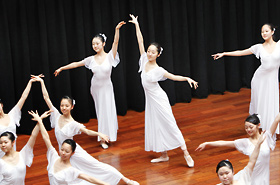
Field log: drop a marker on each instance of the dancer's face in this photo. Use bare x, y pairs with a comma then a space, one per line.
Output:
66, 151
225, 175
66, 106
6, 144
97, 44
251, 129
266, 32
152, 53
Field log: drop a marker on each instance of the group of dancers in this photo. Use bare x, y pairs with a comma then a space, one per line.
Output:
74, 165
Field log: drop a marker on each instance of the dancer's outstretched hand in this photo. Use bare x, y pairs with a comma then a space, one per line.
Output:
134, 19
56, 73
120, 25
200, 147
104, 137
192, 83
35, 115
37, 78
46, 114
217, 56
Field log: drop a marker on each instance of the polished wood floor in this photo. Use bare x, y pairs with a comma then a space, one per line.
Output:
219, 117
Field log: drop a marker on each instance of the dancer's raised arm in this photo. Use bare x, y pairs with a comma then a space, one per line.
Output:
233, 53
44, 132
255, 154
32, 138
138, 33
25, 94
274, 125
44, 92
116, 38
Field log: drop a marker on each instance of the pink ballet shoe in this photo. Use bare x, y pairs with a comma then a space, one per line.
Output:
104, 145
160, 159
189, 161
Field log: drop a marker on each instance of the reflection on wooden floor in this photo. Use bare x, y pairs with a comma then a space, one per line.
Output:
219, 117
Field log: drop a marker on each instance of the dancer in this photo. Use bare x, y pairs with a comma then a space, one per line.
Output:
260, 175
13, 164
225, 172
59, 168
161, 130
66, 127
264, 84
8, 122
101, 86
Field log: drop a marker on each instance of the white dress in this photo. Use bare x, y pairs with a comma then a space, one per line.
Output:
64, 177
103, 95
81, 160
260, 175
161, 130
245, 177
265, 86
15, 174
15, 115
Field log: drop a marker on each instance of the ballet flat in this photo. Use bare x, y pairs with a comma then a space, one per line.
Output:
191, 163
160, 159
132, 182
104, 145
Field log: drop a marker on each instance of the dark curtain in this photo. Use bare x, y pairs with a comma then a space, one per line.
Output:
39, 36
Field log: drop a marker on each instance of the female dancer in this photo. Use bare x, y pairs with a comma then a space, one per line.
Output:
8, 122
13, 164
59, 168
264, 84
161, 130
66, 127
101, 85
260, 175
225, 172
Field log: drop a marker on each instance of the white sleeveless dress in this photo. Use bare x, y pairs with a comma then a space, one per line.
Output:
265, 86
103, 95
15, 174
81, 160
161, 130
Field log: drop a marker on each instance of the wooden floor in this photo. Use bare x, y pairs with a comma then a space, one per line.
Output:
219, 117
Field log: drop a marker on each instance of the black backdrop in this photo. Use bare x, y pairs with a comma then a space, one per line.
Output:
38, 36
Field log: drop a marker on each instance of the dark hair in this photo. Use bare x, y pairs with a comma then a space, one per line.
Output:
71, 100
10, 135
272, 28
101, 37
1, 102
71, 142
157, 45
254, 119
224, 163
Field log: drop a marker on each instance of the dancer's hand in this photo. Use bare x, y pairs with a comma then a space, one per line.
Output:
56, 73
133, 19
200, 147
217, 56
35, 115
37, 78
192, 83
46, 114
120, 25
104, 137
